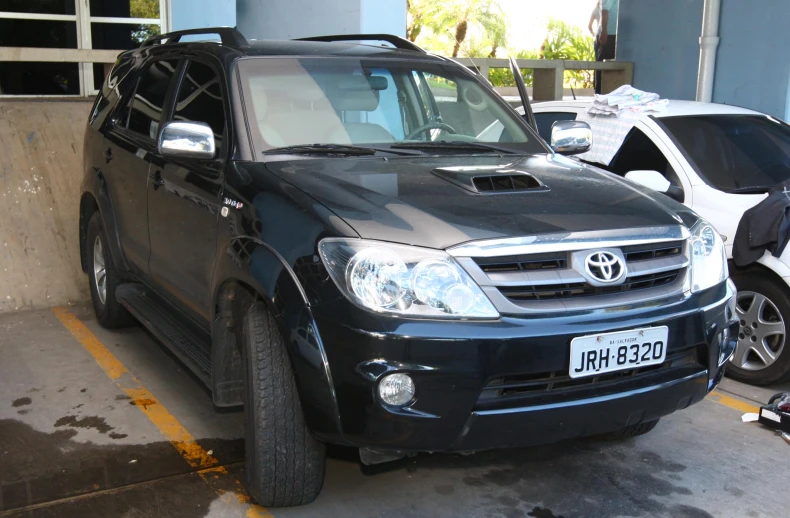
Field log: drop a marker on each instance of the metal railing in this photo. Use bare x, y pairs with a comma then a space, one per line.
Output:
548, 75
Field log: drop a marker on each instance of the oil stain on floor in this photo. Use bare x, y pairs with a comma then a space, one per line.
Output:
42, 467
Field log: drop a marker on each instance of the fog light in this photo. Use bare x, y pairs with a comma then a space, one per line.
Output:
396, 389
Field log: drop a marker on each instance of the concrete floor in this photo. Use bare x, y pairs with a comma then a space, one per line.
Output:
73, 444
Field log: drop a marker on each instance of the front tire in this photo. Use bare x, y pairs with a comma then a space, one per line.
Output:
762, 356
104, 278
285, 463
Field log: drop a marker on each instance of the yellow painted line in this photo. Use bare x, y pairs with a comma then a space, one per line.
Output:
729, 401
217, 477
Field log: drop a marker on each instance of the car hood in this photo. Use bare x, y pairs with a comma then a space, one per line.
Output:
404, 200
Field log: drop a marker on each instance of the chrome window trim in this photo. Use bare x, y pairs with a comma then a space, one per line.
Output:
569, 241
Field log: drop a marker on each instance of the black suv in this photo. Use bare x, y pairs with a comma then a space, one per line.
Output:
319, 230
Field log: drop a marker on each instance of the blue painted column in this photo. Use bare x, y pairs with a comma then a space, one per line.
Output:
287, 19
196, 14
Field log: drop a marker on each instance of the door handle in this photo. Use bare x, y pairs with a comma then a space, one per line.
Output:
156, 179
108, 155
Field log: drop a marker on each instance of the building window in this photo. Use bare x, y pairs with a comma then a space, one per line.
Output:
66, 47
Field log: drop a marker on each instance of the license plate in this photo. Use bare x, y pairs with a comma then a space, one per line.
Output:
592, 355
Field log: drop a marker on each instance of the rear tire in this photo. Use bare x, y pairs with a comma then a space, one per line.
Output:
634, 430
285, 463
759, 336
104, 278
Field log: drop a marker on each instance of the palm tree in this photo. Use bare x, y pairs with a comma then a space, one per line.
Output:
457, 19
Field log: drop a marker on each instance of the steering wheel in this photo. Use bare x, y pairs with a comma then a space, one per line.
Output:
430, 125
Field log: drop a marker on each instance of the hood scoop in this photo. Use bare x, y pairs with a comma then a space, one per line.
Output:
490, 179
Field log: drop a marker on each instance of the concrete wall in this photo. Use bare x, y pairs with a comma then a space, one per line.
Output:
287, 19
662, 39
188, 14
752, 65
40, 177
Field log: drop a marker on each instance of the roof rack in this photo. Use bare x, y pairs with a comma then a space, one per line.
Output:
228, 36
396, 41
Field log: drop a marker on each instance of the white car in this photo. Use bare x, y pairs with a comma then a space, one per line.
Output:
720, 161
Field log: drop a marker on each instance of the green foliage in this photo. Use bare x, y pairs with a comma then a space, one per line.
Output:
144, 9
473, 28
478, 29
567, 42
503, 77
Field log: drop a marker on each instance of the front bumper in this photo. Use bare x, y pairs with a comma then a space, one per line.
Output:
452, 363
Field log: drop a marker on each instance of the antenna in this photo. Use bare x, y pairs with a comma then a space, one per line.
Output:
468, 55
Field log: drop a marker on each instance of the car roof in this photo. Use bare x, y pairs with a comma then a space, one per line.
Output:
673, 109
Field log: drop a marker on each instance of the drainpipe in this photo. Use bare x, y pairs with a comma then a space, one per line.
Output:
708, 43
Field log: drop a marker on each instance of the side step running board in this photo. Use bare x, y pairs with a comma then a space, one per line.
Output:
187, 344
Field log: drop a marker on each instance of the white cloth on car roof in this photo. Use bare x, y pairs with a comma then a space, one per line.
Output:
625, 98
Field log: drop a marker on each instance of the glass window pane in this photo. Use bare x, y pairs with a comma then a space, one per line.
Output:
200, 99
150, 97
122, 36
17, 78
125, 8
38, 33
100, 71
734, 152
38, 6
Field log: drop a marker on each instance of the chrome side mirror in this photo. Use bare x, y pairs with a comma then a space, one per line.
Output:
187, 139
571, 137
650, 179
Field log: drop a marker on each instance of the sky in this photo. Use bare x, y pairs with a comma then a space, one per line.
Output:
528, 18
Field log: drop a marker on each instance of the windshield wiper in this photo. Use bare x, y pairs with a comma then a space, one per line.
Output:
337, 149
454, 145
329, 149
760, 189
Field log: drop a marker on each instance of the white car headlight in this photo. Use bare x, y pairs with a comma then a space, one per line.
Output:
403, 280
708, 257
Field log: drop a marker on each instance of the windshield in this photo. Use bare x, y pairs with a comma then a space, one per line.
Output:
734, 152
375, 103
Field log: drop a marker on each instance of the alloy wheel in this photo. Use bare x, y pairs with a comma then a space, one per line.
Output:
761, 337
99, 270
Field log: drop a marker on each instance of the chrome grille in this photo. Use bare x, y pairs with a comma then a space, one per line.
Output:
582, 289
543, 273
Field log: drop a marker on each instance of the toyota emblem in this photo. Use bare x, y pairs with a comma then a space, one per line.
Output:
604, 267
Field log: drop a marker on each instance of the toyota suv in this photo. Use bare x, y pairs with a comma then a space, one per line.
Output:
317, 231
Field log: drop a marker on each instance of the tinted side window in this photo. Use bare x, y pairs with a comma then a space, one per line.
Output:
637, 153
149, 99
546, 119
200, 99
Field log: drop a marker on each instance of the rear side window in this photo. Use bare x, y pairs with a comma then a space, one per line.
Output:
639, 153
149, 99
200, 99
546, 119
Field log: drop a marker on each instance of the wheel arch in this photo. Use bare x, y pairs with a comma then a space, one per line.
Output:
88, 206
762, 268
96, 198
259, 273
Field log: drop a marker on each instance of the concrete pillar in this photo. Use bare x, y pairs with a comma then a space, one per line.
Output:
547, 83
288, 19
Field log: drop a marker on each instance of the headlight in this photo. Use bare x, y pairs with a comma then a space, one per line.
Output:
403, 280
708, 257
